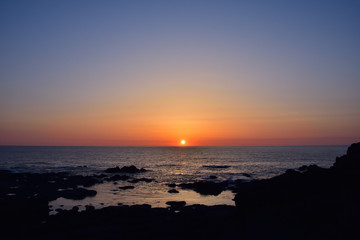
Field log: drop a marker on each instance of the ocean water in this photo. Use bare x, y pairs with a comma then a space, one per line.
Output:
165, 165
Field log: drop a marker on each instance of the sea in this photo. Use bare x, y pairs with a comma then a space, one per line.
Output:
165, 165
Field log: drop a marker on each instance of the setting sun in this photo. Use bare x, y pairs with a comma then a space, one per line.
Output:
183, 142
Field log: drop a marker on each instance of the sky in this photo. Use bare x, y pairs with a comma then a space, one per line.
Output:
152, 73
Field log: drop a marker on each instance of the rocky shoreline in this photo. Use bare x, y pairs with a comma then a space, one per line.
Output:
311, 202
307, 203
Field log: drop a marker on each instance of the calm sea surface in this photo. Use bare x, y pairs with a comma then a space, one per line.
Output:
165, 165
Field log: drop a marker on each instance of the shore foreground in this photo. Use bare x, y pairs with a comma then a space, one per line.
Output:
307, 203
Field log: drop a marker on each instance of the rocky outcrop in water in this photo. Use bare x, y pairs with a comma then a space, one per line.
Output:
24, 197
117, 178
126, 187
77, 193
126, 169
173, 191
46, 186
206, 187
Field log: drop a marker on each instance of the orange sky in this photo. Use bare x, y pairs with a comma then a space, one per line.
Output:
207, 112
232, 73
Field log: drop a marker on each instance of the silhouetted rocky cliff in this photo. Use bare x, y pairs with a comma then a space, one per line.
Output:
310, 202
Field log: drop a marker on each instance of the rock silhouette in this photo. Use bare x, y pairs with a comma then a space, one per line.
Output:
126, 169
313, 202
205, 187
173, 191
126, 187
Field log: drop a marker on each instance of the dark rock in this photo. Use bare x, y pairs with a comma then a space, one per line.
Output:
118, 178
4, 172
75, 209
307, 200
125, 169
76, 180
310, 168
89, 208
126, 187
246, 175
353, 151
303, 168
77, 193
349, 162
146, 180
136, 180
172, 185
173, 191
139, 209
176, 205
206, 187
100, 175
213, 177
113, 170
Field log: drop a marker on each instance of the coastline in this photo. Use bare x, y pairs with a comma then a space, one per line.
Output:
309, 203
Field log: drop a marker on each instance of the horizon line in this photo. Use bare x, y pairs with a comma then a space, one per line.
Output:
180, 146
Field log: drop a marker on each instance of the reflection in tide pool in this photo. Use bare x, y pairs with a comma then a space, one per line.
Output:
109, 194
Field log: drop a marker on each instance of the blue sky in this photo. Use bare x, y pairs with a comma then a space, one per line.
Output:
68, 61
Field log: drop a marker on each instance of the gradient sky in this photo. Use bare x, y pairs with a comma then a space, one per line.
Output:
155, 72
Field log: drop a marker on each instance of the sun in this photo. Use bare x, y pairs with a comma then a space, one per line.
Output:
183, 142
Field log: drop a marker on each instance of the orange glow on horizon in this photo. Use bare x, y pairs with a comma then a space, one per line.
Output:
207, 116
